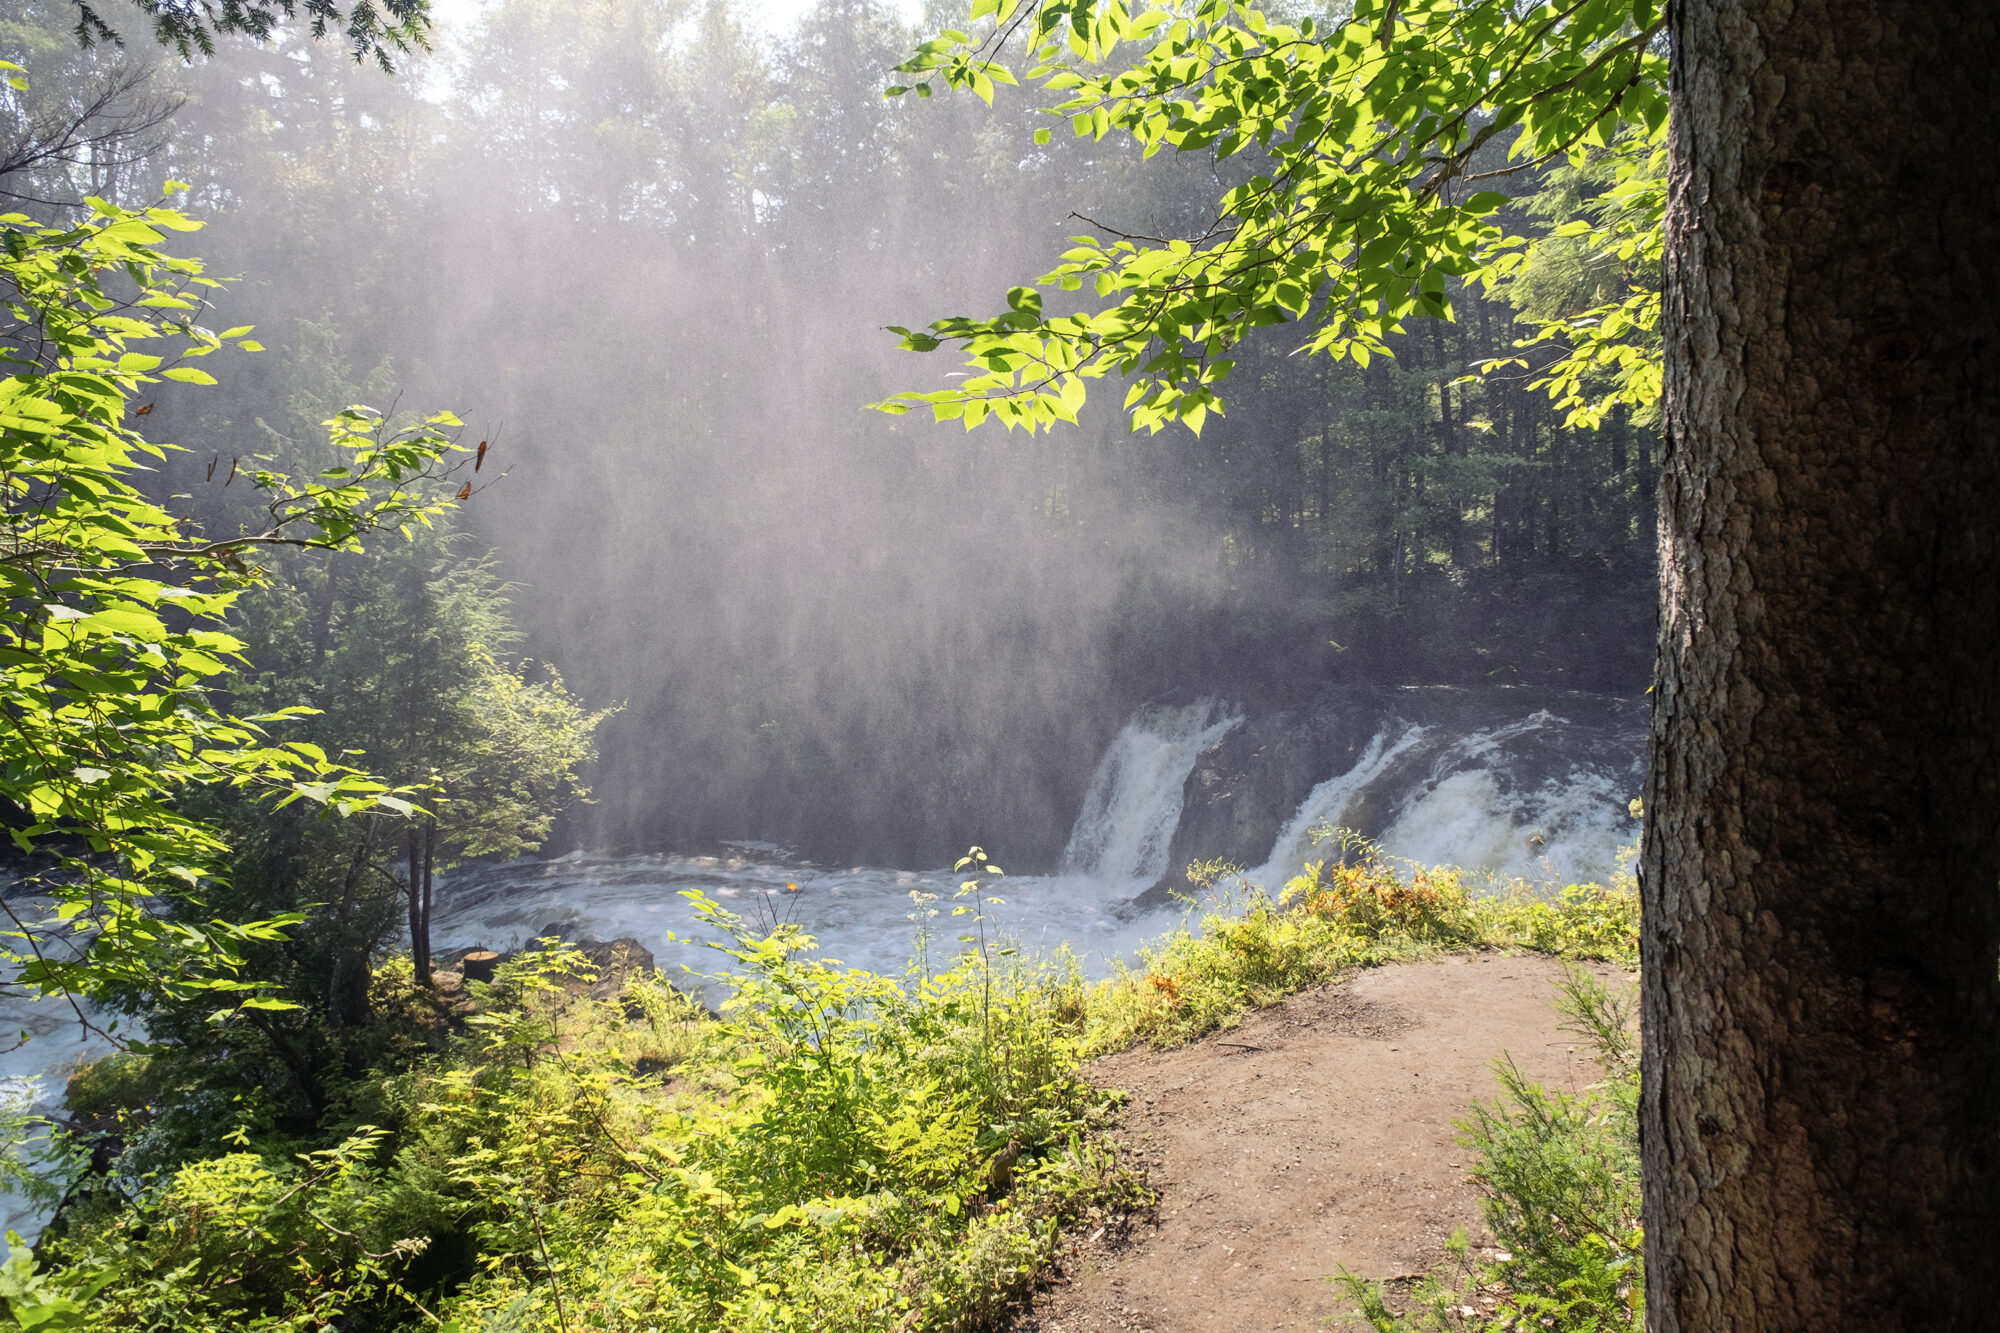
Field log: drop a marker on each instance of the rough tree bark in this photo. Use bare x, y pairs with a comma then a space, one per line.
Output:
1821, 1124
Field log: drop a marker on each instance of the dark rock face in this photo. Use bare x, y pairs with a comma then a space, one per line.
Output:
613, 959
1244, 788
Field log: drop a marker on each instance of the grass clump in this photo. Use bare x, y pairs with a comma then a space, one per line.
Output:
1584, 921
1196, 980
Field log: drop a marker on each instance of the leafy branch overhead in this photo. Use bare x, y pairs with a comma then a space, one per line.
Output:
1367, 142
1589, 285
111, 655
372, 31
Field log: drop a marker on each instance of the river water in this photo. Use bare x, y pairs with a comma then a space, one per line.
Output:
1508, 800
1521, 798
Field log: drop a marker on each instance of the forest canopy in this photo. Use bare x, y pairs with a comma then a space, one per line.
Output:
1352, 208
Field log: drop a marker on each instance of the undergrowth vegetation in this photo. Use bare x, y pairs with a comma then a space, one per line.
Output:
1363, 908
833, 1150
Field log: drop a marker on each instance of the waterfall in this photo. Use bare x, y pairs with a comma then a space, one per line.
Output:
1126, 828
1550, 823
1513, 800
1327, 804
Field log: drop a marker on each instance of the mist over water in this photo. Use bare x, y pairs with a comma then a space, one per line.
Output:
649, 252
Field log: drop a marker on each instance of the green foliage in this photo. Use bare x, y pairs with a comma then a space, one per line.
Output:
848, 1155
1361, 133
1194, 981
404, 655
371, 28
1584, 921
1429, 905
1559, 1179
34, 1300
1356, 911
837, 1151
105, 1086
396, 656
1590, 285
110, 649
242, 1241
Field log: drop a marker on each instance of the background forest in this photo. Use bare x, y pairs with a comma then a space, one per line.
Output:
639, 248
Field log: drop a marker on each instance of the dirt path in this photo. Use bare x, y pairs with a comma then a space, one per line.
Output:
1318, 1133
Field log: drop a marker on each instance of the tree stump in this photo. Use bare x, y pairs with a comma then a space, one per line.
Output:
479, 964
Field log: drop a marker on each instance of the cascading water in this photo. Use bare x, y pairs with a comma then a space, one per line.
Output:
1328, 805
865, 916
1126, 826
1532, 798
1560, 833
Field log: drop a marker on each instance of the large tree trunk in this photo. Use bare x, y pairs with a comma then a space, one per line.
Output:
1821, 1123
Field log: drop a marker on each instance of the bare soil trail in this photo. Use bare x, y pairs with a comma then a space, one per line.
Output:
1316, 1134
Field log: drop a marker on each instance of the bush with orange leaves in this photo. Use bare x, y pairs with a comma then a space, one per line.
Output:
1431, 906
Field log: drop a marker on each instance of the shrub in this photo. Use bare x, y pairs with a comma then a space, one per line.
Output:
1428, 906
1584, 921
836, 1150
1358, 910
1559, 1176
839, 1151
1192, 982
240, 1242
